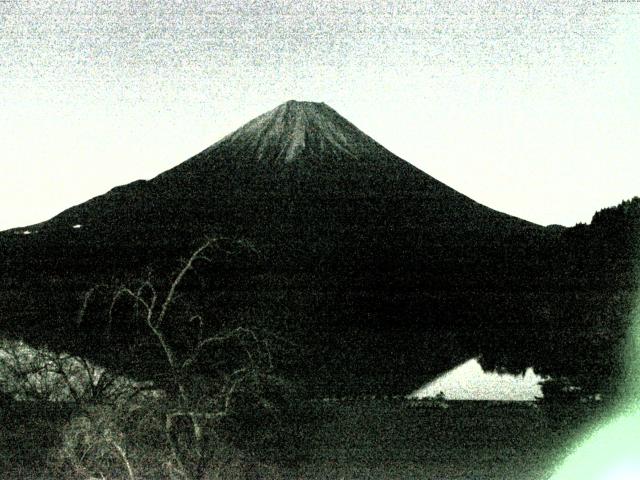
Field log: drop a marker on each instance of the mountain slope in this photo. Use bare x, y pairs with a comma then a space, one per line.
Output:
301, 162
382, 274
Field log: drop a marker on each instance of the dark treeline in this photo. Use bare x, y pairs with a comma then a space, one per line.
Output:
582, 317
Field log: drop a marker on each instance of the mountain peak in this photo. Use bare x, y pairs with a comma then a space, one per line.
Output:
304, 103
282, 134
299, 107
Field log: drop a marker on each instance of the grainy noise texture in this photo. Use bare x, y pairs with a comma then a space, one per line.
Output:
544, 93
292, 239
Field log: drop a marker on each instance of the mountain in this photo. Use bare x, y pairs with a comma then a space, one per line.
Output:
381, 275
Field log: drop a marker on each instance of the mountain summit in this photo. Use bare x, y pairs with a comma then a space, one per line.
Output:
300, 139
285, 133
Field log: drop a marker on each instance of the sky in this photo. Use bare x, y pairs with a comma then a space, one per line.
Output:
529, 107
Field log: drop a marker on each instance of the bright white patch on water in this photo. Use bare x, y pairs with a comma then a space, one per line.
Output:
26, 232
470, 382
77, 225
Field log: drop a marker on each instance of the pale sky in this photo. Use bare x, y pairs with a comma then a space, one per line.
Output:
529, 107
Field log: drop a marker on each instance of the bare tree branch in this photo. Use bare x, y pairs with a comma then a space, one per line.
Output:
201, 408
197, 255
123, 456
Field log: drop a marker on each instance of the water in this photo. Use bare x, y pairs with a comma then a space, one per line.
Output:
469, 381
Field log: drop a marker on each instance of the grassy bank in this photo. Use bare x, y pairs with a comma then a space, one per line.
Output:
372, 440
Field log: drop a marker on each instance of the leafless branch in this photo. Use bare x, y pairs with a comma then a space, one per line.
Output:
197, 255
124, 458
155, 307
87, 298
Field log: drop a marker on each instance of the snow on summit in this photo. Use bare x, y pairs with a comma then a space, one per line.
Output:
293, 128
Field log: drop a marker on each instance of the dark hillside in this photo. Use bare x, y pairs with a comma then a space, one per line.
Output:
380, 274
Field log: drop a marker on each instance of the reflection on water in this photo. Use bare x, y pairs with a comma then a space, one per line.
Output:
470, 382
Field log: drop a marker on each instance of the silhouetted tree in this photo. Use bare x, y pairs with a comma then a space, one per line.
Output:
221, 398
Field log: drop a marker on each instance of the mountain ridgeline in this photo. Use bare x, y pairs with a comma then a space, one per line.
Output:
375, 275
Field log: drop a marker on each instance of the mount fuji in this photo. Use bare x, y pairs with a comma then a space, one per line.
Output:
381, 275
